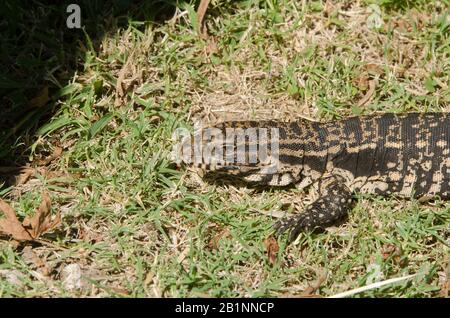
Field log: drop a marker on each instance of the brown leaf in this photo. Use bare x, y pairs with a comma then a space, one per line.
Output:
388, 250
33, 259
214, 243
362, 81
420, 19
41, 99
85, 233
10, 225
24, 175
154, 119
374, 69
41, 222
445, 290
57, 152
200, 16
402, 25
368, 96
272, 249
59, 174
315, 285
120, 92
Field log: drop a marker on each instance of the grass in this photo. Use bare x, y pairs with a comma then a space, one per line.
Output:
139, 227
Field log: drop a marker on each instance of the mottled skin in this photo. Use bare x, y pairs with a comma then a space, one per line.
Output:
390, 154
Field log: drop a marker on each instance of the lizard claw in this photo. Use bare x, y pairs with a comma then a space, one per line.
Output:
294, 225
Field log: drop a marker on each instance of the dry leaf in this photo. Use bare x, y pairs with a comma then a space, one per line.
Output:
85, 233
214, 243
59, 174
31, 227
272, 249
41, 222
120, 92
24, 175
445, 290
391, 250
374, 69
10, 225
57, 152
200, 16
402, 25
362, 81
33, 259
314, 286
368, 96
154, 120
41, 99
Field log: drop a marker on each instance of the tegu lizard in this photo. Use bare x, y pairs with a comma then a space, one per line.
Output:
405, 155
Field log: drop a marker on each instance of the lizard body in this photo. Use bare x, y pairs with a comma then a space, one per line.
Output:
389, 154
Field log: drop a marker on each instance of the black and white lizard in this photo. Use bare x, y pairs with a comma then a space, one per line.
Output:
406, 155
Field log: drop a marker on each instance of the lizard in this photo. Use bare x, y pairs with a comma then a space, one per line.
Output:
405, 155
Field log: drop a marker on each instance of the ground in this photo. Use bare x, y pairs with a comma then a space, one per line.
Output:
133, 224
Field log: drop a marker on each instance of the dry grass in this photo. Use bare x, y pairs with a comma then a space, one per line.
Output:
135, 226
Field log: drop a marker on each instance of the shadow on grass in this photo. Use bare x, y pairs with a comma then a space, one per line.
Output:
40, 55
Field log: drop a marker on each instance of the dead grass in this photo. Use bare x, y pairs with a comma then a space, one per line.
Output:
132, 225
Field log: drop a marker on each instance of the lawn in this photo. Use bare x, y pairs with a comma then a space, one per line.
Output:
88, 116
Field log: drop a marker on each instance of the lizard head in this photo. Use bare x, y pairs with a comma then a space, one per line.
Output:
239, 149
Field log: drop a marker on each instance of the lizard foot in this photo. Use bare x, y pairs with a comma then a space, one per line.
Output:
334, 203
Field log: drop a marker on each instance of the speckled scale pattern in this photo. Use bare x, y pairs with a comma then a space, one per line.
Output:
386, 154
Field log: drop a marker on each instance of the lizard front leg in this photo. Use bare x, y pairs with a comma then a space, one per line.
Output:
334, 202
